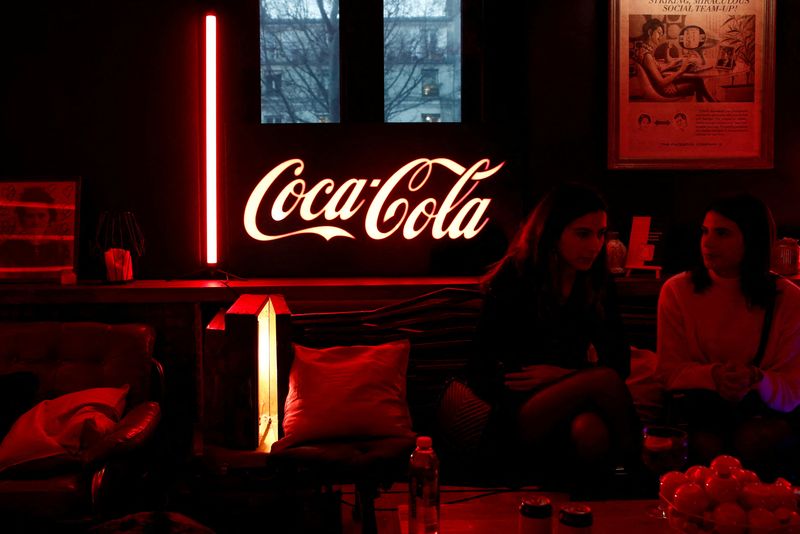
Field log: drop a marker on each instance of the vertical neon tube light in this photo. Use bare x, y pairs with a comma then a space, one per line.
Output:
211, 139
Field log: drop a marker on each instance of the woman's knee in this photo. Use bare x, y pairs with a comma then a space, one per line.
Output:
590, 437
600, 380
757, 439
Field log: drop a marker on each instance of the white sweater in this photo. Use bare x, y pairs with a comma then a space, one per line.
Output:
698, 330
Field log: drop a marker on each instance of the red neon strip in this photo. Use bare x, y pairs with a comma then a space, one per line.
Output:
211, 139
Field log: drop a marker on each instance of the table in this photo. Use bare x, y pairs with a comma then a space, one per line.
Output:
469, 510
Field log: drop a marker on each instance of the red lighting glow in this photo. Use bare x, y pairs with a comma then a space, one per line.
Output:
211, 139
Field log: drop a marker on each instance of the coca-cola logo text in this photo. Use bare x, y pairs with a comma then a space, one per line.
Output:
389, 211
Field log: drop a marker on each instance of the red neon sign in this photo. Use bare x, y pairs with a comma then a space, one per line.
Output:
456, 216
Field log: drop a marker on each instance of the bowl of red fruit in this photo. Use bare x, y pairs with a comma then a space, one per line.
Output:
725, 498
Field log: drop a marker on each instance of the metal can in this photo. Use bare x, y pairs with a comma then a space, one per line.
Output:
575, 519
535, 515
786, 256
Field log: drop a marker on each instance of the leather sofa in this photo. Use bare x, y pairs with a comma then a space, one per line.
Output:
67, 357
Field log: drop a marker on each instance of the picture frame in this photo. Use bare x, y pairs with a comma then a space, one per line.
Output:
39, 228
691, 84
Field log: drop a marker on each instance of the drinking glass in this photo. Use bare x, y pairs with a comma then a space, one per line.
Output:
664, 449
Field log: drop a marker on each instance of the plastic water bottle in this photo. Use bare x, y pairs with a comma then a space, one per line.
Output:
423, 489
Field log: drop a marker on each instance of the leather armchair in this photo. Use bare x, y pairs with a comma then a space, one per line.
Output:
68, 357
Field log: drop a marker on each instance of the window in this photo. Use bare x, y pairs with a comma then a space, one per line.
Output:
430, 82
422, 60
302, 75
301, 40
272, 85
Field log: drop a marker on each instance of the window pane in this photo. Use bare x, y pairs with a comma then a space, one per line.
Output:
299, 61
422, 60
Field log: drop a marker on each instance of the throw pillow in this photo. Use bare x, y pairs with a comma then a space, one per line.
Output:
56, 431
347, 392
462, 420
17, 394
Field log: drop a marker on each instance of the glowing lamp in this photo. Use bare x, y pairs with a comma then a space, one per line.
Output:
241, 393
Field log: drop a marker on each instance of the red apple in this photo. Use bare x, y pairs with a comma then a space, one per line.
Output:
782, 497
698, 474
784, 515
757, 496
789, 520
669, 482
730, 518
724, 464
745, 476
691, 499
722, 488
761, 521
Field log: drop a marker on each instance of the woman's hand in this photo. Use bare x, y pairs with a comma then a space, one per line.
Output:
733, 381
533, 376
677, 62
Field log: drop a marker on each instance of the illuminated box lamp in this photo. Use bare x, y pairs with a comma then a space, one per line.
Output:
243, 387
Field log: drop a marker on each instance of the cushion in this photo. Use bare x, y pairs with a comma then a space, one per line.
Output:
347, 392
17, 394
56, 431
462, 420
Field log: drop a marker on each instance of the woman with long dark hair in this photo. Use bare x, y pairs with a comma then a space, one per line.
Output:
553, 357
729, 340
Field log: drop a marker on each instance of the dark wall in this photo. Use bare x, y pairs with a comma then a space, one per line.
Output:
567, 75
109, 91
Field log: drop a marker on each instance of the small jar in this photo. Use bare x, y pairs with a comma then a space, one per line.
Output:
535, 515
615, 253
575, 519
786, 256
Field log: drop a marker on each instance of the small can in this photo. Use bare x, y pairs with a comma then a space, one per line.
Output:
535, 515
575, 519
786, 256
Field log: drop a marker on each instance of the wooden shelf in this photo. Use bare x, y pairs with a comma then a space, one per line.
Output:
303, 293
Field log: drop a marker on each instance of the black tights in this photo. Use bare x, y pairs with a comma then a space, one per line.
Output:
593, 410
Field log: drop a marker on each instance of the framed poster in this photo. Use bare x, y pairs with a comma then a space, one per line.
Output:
691, 84
38, 227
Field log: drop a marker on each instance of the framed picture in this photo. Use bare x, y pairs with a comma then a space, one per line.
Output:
38, 227
691, 84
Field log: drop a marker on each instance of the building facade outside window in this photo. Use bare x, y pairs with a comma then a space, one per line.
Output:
300, 60
422, 60
301, 41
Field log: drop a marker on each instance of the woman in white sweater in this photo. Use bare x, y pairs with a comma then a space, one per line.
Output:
737, 382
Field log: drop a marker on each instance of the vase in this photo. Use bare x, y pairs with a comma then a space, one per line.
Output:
615, 254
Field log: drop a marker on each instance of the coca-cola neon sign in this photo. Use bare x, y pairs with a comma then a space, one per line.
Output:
456, 216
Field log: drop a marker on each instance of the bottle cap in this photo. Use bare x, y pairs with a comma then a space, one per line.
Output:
536, 506
575, 515
424, 442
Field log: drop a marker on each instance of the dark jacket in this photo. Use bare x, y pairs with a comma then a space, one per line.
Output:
523, 325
